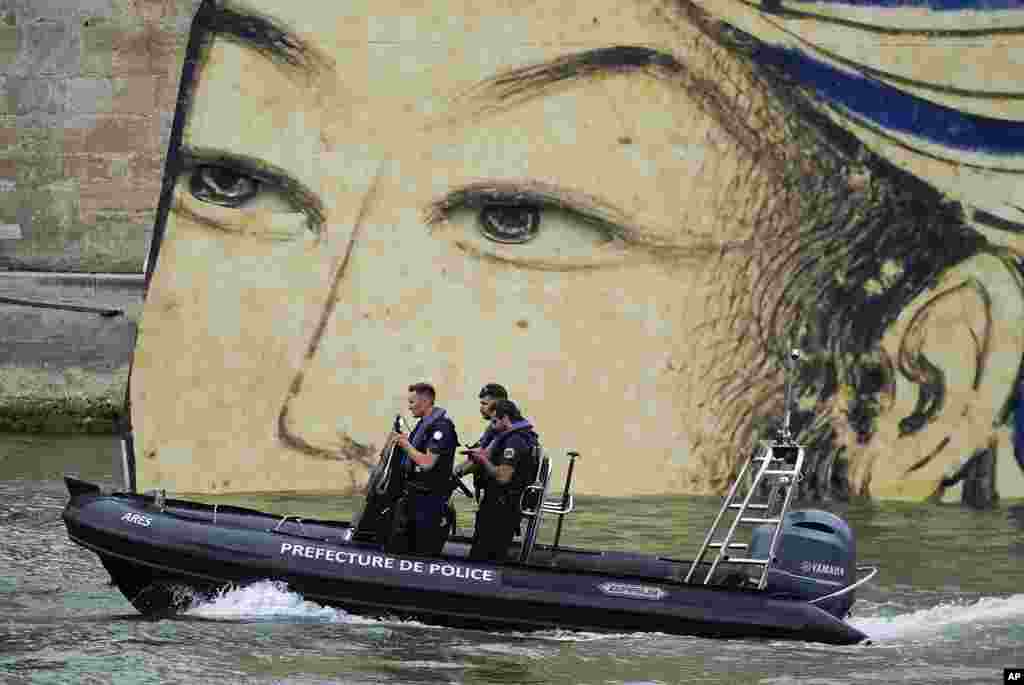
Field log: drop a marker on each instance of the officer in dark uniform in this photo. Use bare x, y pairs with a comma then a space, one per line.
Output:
489, 394
429, 454
506, 467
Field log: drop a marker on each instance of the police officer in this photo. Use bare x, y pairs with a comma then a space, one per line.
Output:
506, 467
429, 453
489, 394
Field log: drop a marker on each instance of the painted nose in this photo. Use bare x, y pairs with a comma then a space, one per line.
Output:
343, 243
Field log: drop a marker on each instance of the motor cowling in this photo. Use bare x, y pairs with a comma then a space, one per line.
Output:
815, 556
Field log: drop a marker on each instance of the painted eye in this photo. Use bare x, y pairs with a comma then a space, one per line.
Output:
503, 225
222, 186
510, 224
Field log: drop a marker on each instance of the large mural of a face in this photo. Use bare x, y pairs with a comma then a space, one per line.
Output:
627, 214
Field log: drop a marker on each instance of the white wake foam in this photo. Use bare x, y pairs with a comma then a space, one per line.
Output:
267, 600
889, 624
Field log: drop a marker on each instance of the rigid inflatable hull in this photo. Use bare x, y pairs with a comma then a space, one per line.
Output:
158, 557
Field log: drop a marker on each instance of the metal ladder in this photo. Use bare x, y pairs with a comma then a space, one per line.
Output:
781, 462
785, 477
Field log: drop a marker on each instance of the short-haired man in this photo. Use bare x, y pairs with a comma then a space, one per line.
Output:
506, 467
429, 453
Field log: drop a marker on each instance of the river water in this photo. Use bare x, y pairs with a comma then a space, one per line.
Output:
947, 606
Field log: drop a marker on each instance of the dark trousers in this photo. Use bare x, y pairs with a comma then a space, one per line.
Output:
416, 528
496, 523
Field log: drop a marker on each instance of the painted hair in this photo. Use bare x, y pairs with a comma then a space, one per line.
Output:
843, 242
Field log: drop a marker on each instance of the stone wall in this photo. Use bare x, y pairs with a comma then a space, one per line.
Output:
66, 370
87, 91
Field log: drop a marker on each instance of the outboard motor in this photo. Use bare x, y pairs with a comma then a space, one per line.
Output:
816, 556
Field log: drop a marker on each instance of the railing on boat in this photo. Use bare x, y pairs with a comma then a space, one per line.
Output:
533, 504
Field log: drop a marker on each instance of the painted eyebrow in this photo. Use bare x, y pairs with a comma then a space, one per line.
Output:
266, 36
278, 44
524, 83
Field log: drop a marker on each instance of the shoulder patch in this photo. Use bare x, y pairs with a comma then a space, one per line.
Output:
438, 435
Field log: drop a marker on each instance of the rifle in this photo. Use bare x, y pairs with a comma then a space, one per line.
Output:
387, 454
385, 487
457, 483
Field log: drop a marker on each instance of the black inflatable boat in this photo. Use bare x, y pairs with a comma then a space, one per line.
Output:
795, 578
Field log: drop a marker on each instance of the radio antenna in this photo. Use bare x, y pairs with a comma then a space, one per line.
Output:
794, 357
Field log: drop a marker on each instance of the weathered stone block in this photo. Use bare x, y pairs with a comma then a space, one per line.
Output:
165, 121
48, 47
37, 94
65, 10
24, 256
41, 119
158, 11
121, 134
97, 47
134, 94
41, 141
7, 102
148, 50
49, 215
121, 195
40, 156
38, 164
87, 168
9, 203
120, 186
65, 370
90, 95
167, 93
119, 167
8, 45
116, 246
148, 167
93, 169
73, 136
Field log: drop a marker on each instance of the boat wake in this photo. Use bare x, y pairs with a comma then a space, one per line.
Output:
268, 601
889, 622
